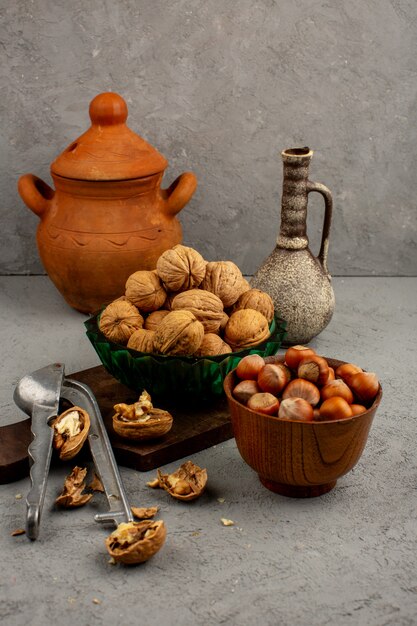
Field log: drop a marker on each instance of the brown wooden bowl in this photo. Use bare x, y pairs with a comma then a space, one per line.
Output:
294, 458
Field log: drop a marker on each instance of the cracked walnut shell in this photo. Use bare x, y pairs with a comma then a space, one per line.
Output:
181, 268
136, 542
70, 432
187, 483
72, 495
206, 307
224, 279
145, 290
151, 425
179, 333
258, 300
119, 320
246, 328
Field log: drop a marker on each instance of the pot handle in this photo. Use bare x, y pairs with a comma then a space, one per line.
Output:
180, 192
36, 194
328, 207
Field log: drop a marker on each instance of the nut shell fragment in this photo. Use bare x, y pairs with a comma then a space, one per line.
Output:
136, 542
181, 268
119, 320
70, 432
187, 483
72, 495
154, 424
144, 512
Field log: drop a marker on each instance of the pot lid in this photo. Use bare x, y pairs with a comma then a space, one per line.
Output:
108, 150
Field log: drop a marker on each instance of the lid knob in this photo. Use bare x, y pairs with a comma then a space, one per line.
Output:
108, 108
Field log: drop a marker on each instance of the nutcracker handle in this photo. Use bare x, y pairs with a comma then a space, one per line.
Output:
35, 193
180, 192
328, 207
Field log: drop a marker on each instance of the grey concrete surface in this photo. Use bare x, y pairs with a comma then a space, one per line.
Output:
221, 88
347, 558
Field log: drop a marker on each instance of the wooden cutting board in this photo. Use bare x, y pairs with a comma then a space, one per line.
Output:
195, 428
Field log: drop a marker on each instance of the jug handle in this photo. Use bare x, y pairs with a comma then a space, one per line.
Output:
180, 192
35, 193
328, 207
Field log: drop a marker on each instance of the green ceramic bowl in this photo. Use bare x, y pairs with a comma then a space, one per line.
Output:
176, 376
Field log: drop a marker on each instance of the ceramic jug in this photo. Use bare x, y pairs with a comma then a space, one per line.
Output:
298, 282
107, 216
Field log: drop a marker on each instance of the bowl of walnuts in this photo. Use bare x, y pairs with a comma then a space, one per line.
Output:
178, 330
301, 420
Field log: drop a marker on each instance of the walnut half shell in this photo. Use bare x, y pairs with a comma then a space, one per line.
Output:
187, 483
136, 542
141, 420
70, 431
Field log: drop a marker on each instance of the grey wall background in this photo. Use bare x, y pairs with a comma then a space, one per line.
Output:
220, 88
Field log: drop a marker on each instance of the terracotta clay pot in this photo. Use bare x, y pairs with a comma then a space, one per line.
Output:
108, 216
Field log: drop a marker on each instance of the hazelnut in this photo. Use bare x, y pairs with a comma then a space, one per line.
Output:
295, 354
314, 368
273, 378
249, 367
300, 388
296, 409
264, 403
335, 408
336, 388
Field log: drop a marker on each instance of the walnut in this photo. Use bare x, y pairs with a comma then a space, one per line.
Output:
70, 432
141, 340
154, 318
223, 322
72, 495
145, 290
206, 307
212, 345
179, 333
246, 328
136, 542
141, 421
187, 483
258, 300
181, 268
224, 279
119, 320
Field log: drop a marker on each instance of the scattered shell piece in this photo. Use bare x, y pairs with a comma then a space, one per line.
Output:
136, 542
154, 484
72, 495
96, 601
96, 484
17, 532
227, 522
18, 496
144, 513
187, 483
221, 500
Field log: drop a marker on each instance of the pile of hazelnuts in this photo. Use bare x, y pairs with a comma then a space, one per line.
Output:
304, 387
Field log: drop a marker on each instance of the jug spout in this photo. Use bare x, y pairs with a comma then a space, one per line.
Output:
179, 192
35, 193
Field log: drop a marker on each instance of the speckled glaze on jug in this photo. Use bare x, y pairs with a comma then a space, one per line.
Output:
298, 282
107, 216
